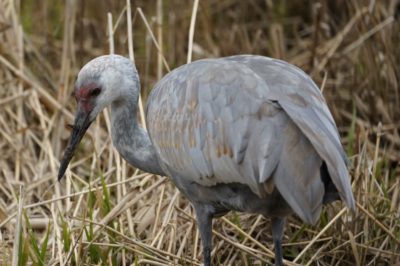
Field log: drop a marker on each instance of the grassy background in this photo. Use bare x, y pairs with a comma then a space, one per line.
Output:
106, 212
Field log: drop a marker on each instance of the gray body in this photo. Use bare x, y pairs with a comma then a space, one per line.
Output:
262, 123
245, 133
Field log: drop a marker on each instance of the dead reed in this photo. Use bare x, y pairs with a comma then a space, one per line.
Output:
106, 212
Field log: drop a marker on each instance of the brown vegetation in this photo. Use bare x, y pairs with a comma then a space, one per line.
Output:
109, 213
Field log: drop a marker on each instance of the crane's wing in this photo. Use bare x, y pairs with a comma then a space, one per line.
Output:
302, 100
213, 121
203, 121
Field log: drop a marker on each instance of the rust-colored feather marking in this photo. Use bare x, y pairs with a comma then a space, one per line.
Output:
227, 150
219, 150
193, 104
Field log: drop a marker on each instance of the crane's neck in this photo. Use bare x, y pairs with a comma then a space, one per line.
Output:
131, 140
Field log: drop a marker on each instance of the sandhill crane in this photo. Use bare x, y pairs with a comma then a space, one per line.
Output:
245, 133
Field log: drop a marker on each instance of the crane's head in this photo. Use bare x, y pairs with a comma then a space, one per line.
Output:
101, 82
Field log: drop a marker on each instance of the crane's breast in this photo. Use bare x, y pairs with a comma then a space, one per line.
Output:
205, 120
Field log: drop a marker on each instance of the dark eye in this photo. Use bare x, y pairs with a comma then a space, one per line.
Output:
95, 92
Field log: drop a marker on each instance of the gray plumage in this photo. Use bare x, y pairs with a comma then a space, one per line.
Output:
246, 133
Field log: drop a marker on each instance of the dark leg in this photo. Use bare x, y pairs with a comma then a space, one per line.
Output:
204, 217
278, 225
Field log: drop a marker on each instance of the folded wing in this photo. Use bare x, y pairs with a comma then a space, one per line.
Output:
249, 120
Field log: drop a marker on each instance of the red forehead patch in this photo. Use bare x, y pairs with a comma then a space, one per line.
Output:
83, 93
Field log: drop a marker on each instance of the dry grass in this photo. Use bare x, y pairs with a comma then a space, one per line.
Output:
106, 212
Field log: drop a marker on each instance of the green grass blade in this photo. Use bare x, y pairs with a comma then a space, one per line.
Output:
106, 206
66, 234
33, 243
43, 250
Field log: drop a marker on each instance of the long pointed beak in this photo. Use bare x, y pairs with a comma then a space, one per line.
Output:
81, 124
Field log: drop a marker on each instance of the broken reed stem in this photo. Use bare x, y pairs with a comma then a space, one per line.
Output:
18, 229
159, 38
110, 32
191, 30
324, 81
20, 110
130, 35
158, 211
354, 248
36, 223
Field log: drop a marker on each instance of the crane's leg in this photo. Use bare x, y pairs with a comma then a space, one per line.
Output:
278, 225
204, 216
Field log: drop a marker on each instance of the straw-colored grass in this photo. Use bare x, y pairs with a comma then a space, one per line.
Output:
106, 212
